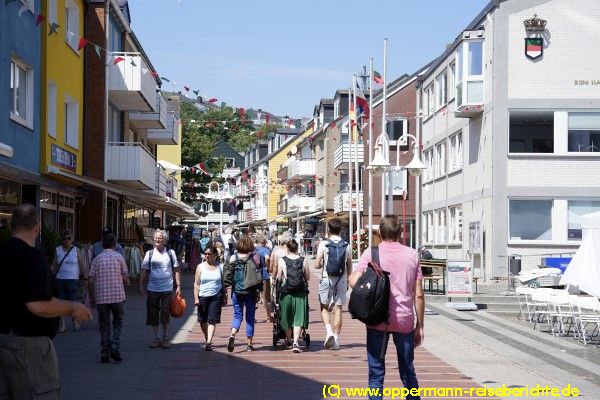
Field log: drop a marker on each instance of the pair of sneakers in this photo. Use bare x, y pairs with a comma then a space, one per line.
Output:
231, 345
165, 343
331, 343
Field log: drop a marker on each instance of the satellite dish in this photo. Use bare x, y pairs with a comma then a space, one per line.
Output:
294, 150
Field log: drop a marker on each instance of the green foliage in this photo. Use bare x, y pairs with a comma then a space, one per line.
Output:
50, 241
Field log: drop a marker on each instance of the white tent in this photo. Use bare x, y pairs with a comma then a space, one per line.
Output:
584, 269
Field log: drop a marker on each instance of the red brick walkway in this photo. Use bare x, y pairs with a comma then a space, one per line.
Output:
280, 374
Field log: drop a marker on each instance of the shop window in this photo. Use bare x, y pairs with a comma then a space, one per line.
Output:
531, 132
584, 132
530, 219
577, 208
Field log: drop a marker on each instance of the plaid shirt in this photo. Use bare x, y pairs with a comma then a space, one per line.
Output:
107, 272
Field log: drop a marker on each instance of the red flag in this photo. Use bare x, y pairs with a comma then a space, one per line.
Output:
203, 168
118, 60
213, 100
82, 43
242, 113
377, 77
154, 74
267, 118
40, 18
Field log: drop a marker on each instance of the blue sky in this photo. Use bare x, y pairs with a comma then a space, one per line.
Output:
284, 56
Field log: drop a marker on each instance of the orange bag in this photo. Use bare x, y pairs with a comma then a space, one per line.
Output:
178, 306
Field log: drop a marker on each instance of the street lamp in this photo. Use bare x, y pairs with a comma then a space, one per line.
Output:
221, 193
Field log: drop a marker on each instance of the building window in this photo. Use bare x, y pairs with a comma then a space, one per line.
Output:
454, 224
584, 132
230, 163
440, 160
431, 100
469, 73
428, 229
21, 93
115, 131
451, 80
397, 130
115, 42
577, 208
429, 173
531, 132
71, 123
51, 111
455, 156
72, 33
441, 90
336, 108
530, 219
440, 226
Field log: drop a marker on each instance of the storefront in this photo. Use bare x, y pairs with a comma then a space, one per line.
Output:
58, 210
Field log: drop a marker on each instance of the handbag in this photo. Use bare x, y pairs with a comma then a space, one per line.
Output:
178, 306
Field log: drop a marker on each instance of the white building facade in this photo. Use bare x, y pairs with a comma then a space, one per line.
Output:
511, 135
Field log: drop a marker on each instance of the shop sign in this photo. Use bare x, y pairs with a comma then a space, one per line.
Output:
10, 193
64, 158
460, 279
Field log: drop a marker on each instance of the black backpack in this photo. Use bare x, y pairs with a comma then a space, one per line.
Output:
336, 257
369, 301
295, 282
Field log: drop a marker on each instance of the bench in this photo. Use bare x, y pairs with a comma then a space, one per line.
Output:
431, 279
434, 271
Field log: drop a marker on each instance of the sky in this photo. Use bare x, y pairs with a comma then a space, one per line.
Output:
284, 56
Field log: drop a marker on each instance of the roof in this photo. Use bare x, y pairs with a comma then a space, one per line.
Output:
326, 102
222, 148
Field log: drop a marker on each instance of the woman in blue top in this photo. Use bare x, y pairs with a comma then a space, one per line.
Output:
209, 293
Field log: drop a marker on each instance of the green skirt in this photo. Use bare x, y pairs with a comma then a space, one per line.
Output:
293, 310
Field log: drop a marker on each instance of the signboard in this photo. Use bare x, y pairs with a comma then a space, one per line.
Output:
460, 279
475, 238
64, 158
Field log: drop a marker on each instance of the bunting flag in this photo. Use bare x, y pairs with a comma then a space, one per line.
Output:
242, 113
213, 100
154, 74
267, 118
118, 60
164, 79
82, 43
204, 168
196, 92
377, 77
133, 63
187, 89
97, 48
40, 18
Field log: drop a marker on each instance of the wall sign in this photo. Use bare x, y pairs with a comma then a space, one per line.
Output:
64, 158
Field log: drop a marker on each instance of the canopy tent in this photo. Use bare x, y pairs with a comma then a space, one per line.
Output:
584, 269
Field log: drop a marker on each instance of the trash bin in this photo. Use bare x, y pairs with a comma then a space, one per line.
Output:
514, 265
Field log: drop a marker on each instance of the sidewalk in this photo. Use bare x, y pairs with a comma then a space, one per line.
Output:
186, 371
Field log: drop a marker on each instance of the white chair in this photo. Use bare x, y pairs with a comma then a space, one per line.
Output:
541, 307
588, 312
525, 302
560, 311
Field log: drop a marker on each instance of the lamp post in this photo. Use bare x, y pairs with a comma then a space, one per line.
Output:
381, 164
221, 193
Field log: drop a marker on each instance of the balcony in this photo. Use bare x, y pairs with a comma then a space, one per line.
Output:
130, 164
282, 174
172, 187
341, 202
469, 99
282, 207
259, 214
160, 186
299, 169
230, 173
241, 216
249, 215
302, 203
346, 152
168, 135
131, 85
156, 119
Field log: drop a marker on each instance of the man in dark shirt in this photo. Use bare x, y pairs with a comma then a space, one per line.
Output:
28, 364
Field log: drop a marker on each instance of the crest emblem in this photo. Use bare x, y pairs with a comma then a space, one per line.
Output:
534, 48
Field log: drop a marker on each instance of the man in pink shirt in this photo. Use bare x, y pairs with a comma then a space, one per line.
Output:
406, 295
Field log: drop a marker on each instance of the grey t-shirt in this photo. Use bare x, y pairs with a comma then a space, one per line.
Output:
161, 273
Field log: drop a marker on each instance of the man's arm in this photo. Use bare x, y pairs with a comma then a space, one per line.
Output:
320, 257
59, 308
420, 310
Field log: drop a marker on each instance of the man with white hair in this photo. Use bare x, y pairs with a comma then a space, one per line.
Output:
161, 265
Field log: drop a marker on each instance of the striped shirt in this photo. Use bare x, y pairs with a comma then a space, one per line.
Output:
107, 272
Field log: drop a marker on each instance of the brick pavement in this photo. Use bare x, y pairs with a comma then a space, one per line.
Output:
186, 371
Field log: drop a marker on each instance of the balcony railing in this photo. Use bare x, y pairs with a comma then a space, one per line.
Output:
299, 169
230, 172
249, 215
131, 84
172, 187
259, 214
156, 119
282, 174
130, 164
302, 203
168, 135
346, 152
160, 186
241, 216
282, 207
341, 202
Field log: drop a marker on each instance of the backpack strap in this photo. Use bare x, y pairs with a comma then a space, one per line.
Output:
150, 252
375, 255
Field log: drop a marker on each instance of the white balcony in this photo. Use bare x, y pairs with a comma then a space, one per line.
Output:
302, 203
346, 152
241, 216
168, 135
259, 214
130, 164
131, 85
341, 202
230, 173
156, 119
249, 215
160, 185
299, 169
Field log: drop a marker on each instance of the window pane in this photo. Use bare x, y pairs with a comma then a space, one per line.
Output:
531, 132
584, 121
530, 219
459, 64
475, 58
584, 141
576, 210
459, 94
21, 92
475, 92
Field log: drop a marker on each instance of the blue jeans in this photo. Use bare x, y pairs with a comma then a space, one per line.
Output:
377, 342
68, 289
239, 301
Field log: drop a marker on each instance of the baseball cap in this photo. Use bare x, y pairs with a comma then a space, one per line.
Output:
106, 230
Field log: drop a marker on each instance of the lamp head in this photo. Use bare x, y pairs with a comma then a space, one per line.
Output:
416, 167
379, 164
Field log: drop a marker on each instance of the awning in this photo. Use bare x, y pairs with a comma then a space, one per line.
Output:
179, 208
169, 165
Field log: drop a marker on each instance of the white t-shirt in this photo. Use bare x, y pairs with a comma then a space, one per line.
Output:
161, 273
69, 268
323, 250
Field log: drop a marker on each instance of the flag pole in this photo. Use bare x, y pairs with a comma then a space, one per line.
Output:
370, 154
383, 125
350, 224
356, 175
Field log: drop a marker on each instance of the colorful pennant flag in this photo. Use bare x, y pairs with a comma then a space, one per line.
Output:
118, 60
187, 89
204, 168
154, 74
82, 43
40, 18
196, 92
97, 48
267, 118
213, 100
377, 77
133, 63
164, 79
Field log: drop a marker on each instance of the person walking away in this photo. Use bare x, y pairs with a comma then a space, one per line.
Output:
294, 274
335, 262
279, 251
264, 254
68, 266
28, 362
108, 274
242, 298
98, 248
406, 297
209, 293
161, 265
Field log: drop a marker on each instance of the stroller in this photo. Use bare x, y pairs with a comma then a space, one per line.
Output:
278, 333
